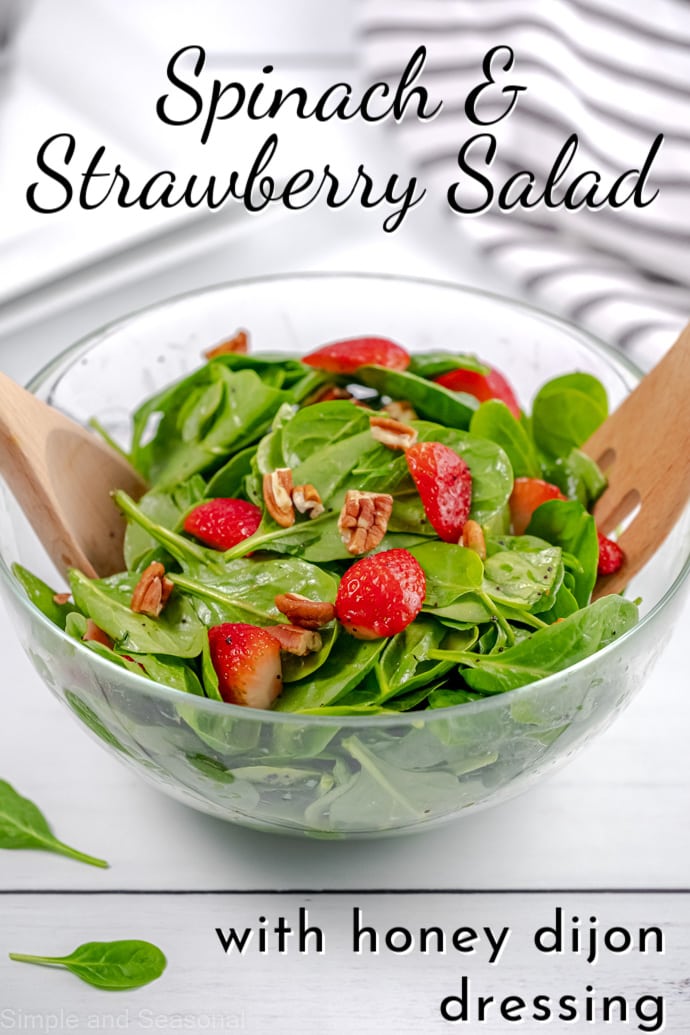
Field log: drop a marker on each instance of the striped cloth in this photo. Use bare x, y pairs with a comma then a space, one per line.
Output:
615, 72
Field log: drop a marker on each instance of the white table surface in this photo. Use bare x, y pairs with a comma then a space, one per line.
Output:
607, 836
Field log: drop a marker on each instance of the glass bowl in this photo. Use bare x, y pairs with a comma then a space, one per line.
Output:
326, 776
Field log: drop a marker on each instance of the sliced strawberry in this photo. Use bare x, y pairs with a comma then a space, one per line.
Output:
611, 556
222, 523
527, 495
482, 386
444, 483
380, 595
247, 663
344, 357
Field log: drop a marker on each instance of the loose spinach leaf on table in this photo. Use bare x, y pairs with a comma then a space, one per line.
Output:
23, 825
551, 649
566, 411
115, 966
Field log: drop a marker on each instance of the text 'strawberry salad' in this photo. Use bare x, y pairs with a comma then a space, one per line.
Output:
354, 532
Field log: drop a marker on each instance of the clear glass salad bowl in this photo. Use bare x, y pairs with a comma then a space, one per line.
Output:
324, 776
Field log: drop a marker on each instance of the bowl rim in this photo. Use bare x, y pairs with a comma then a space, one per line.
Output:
159, 690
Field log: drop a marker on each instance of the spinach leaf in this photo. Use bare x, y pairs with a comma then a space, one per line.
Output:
165, 508
387, 795
494, 421
551, 649
230, 479
577, 476
429, 400
42, 596
23, 825
349, 662
403, 665
116, 966
566, 523
436, 362
177, 632
202, 419
450, 572
566, 411
526, 579
320, 425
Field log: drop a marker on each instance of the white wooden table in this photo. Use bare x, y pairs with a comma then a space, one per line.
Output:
606, 837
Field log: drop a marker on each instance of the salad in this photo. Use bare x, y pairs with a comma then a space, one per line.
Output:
357, 531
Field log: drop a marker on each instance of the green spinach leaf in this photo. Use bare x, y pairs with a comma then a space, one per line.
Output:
23, 825
115, 966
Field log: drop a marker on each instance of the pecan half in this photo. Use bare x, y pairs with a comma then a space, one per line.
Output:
278, 496
400, 409
392, 433
239, 343
310, 614
307, 500
295, 640
152, 591
473, 538
61, 598
364, 519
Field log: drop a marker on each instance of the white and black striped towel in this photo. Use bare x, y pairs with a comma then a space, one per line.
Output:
617, 72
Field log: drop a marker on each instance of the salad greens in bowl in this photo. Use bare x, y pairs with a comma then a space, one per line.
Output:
356, 598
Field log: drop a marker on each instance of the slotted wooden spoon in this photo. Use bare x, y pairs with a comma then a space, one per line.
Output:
644, 450
62, 476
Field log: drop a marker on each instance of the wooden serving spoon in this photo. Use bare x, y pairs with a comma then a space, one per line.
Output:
644, 450
62, 476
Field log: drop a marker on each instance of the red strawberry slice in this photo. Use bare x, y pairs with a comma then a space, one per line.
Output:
380, 595
611, 556
482, 386
444, 483
247, 663
344, 357
222, 523
527, 495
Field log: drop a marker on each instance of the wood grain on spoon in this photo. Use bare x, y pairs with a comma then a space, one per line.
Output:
62, 476
644, 450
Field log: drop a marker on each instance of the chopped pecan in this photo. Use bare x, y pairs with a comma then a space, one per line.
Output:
295, 640
364, 519
278, 496
239, 343
95, 633
307, 500
310, 614
392, 433
152, 591
400, 409
61, 598
473, 538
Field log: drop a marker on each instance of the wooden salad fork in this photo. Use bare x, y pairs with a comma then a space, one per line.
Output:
644, 450
62, 476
